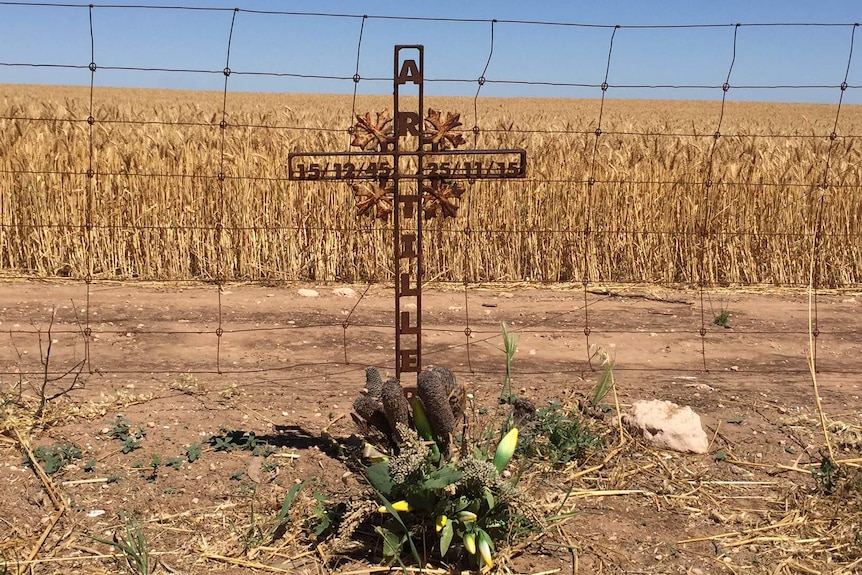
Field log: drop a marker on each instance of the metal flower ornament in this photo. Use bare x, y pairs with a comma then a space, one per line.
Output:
440, 198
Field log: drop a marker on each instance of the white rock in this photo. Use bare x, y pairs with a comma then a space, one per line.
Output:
344, 292
666, 425
308, 293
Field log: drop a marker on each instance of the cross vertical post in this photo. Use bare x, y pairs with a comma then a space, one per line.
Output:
406, 220
408, 166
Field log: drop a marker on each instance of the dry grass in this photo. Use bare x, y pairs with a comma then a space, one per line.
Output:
156, 203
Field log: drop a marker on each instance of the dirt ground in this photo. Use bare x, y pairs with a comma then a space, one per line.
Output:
287, 368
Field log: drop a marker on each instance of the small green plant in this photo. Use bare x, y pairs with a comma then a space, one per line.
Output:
263, 532
320, 519
231, 440
510, 348
606, 381
90, 466
130, 439
175, 462
558, 436
132, 544
722, 317
52, 458
193, 452
827, 476
155, 462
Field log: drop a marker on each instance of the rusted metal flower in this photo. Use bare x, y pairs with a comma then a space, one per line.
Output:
441, 197
375, 198
440, 132
371, 134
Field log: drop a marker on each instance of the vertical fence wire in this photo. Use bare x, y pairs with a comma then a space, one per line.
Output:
468, 230
588, 202
817, 207
350, 131
91, 191
220, 215
705, 231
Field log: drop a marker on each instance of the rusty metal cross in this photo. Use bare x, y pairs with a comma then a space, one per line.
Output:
408, 164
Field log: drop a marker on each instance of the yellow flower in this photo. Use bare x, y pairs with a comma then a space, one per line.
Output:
470, 542
505, 449
400, 506
466, 516
440, 523
485, 549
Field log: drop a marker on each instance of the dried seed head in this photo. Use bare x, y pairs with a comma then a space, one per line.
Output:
395, 405
434, 388
373, 381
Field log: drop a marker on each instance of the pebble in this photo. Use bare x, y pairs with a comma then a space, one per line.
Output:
308, 292
344, 292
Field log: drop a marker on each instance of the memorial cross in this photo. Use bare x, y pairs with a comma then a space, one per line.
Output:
408, 164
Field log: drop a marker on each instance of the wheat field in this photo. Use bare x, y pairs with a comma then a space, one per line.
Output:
155, 208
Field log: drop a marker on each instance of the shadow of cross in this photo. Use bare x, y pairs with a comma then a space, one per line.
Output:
408, 164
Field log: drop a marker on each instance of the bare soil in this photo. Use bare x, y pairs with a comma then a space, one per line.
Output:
184, 364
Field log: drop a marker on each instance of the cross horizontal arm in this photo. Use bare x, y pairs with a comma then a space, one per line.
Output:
448, 164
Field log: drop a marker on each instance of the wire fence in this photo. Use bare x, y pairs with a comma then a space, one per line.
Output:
825, 250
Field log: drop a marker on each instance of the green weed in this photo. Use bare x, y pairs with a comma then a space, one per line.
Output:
558, 436
52, 458
132, 543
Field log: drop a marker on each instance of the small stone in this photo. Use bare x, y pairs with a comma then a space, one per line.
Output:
344, 292
667, 425
308, 292
505, 294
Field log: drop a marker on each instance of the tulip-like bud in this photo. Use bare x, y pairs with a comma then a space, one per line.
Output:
373, 454
466, 516
505, 449
441, 522
420, 420
485, 548
400, 506
470, 542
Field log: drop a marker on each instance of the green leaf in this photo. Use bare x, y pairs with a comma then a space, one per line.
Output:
444, 476
378, 477
489, 497
288, 501
391, 542
720, 455
193, 452
735, 420
446, 538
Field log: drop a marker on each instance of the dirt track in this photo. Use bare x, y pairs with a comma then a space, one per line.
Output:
154, 358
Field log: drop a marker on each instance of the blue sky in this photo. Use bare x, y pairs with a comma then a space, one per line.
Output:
319, 45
